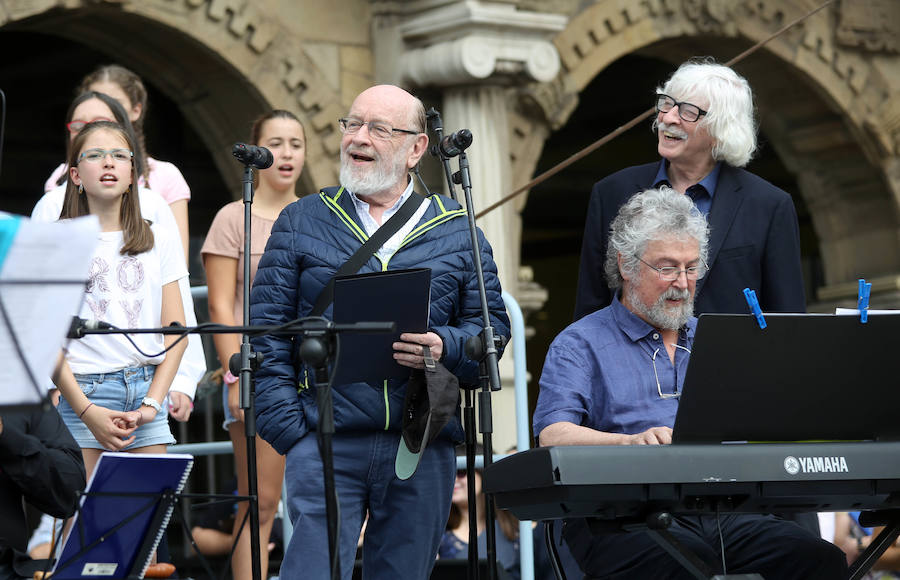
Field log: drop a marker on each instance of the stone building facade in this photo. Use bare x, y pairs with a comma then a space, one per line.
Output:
512, 71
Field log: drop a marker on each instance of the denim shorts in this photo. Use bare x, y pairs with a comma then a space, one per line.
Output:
121, 390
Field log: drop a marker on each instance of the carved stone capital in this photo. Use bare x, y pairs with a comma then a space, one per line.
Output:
476, 57
448, 43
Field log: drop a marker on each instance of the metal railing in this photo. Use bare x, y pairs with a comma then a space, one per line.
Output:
523, 440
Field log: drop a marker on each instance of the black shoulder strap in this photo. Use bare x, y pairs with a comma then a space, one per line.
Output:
368, 249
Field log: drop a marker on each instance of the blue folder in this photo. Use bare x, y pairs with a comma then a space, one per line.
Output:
122, 515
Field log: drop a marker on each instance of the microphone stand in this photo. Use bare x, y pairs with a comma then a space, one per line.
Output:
468, 410
316, 350
484, 349
249, 361
485, 346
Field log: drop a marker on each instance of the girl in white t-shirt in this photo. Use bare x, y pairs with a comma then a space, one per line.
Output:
112, 393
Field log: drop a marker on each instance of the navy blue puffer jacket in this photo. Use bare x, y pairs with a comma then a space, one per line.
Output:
310, 240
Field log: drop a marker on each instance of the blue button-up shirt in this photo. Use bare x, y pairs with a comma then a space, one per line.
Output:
702, 193
599, 374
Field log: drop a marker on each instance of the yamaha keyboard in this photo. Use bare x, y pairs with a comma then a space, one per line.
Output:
625, 482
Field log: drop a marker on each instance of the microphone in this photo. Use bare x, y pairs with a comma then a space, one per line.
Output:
79, 325
455, 143
252, 155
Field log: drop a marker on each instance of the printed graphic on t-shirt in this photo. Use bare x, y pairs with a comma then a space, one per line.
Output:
129, 280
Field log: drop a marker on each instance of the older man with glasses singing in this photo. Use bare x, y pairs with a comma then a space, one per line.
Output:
706, 134
407, 503
614, 377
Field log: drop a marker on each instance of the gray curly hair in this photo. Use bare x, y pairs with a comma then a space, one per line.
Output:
647, 216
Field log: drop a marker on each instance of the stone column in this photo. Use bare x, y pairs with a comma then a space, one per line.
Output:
478, 54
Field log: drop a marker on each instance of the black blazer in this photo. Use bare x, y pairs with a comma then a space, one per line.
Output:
39, 462
754, 243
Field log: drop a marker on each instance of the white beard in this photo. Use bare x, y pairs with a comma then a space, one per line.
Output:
385, 175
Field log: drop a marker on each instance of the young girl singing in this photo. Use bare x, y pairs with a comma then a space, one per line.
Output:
112, 393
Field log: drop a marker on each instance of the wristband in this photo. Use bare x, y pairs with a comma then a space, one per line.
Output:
85, 410
152, 403
228, 378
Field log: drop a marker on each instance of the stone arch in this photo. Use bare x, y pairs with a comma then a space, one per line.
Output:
223, 62
842, 143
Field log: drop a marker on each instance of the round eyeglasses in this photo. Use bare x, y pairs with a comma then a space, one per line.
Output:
687, 111
377, 129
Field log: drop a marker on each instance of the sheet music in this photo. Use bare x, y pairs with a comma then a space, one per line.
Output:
855, 312
43, 270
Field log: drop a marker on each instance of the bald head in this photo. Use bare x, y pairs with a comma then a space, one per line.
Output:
389, 102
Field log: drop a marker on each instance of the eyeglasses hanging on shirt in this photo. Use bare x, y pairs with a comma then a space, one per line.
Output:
662, 395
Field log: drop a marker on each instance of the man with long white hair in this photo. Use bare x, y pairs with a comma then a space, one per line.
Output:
706, 134
615, 376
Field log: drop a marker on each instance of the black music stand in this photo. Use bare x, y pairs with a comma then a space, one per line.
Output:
804, 377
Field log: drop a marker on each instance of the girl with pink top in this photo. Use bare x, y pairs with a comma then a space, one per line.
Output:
162, 177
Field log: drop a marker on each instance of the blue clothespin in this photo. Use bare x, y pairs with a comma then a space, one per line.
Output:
755, 310
862, 302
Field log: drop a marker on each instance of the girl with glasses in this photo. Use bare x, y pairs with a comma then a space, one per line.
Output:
111, 394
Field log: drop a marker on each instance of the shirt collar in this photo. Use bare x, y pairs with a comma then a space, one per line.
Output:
636, 328
708, 183
364, 206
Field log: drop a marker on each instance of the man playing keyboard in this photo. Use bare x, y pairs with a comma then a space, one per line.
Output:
614, 378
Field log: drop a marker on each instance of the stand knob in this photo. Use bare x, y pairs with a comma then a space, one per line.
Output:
314, 351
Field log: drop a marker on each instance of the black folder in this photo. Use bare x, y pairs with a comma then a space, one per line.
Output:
399, 296
805, 377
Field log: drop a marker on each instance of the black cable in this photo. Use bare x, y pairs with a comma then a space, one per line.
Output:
181, 337
558, 570
721, 541
422, 181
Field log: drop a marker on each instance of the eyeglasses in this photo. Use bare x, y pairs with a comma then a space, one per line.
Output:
687, 111
98, 155
671, 273
377, 129
75, 126
662, 395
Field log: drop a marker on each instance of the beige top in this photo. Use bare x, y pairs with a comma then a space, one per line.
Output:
226, 238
